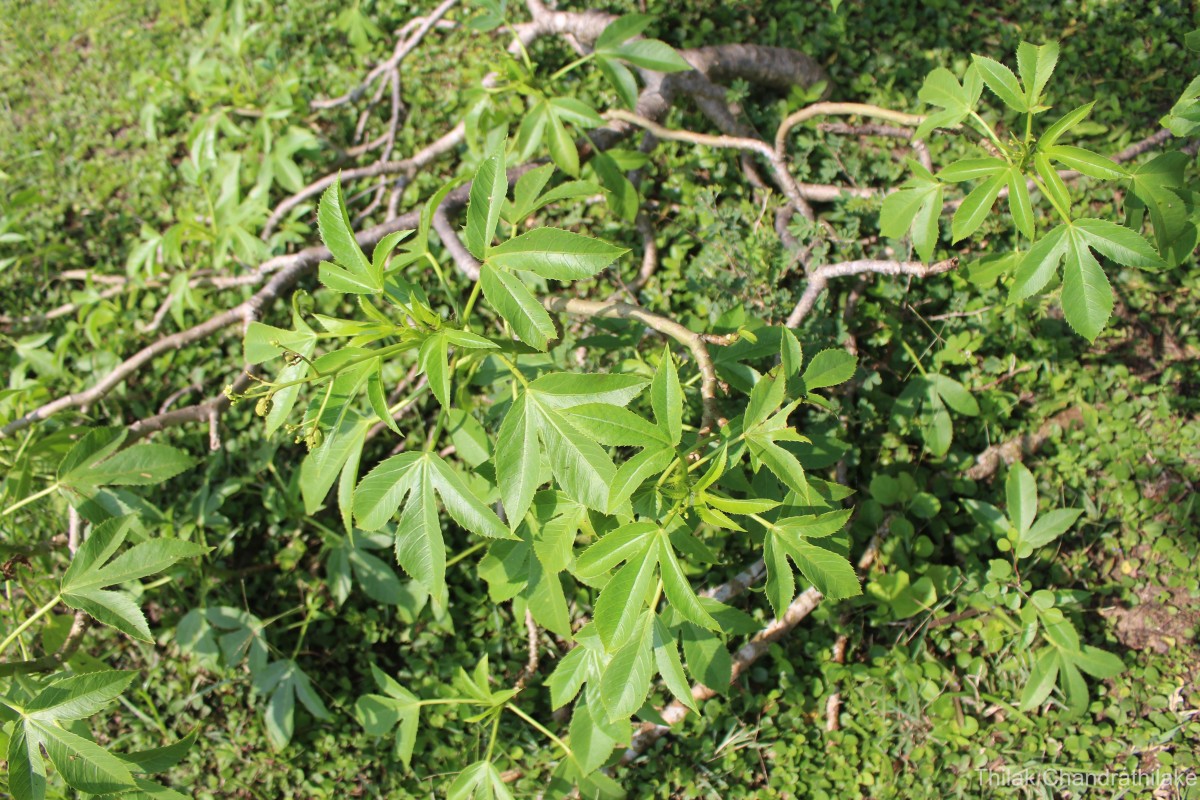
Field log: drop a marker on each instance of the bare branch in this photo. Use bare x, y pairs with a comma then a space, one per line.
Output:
818, 279
841, 110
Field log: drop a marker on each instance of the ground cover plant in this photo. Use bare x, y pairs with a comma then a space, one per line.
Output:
501, 400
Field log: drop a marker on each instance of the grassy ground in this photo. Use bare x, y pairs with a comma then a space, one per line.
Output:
102, 102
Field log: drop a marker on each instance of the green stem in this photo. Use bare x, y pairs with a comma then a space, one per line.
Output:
41, 612
916, 360
437, 268
1062, 212
539, 727
32, 498
470, 306
472, 549
577, 62
492, 738
521, 45
991, 134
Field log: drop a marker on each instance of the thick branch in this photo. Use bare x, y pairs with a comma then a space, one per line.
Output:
818, 279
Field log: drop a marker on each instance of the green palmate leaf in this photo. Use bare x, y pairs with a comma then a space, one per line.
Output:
915, 207
636, 471
669, 665
529, 186
398, 708
957, 100
79, 696
1087, 297
514, 303
1158, 186
1036, 65
831, 573
1002, 82
765, 397
555, 253
285, 683
320, 468
666, 398
626, 680
1021, 497
572, 671
829, 368
83, 583
812, 526
580, 466
1052, 184
83, 764
338, 236
91, 463
1085, 161
976, 206
1040, 264
488, 190
480, 781
590, 744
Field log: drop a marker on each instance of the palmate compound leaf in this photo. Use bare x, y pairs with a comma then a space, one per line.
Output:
792, 537
83, 584
285, 682
480, 781
352, 273
420, 549
396, 708
1087, 299
577, 461
957, 100
916, 207
95, 461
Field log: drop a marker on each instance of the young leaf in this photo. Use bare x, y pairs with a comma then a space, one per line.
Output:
1039, 264
1085, 161
1036, 65
1002, 82
666, 398
396, 708
957, 100
622, 30
1064, 123
829, 368
916, 205
338, 236
976, 206
1087, 297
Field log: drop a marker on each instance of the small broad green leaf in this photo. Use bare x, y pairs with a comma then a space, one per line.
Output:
432, 360
529, 186
942, 89
707, 659
590, 745
1098, 663
555, 253
1085, 161
651, 54
1064, 123
1050, 526
829, 368
338, 236
1002, 82
514, 303
488, 191
1036, 65
384, 488
622, 30
1087, 297
1021, 497
955, 395
1042, 678
812, 526
613, 426
397, 708
562, 146
976, 206
916, 206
